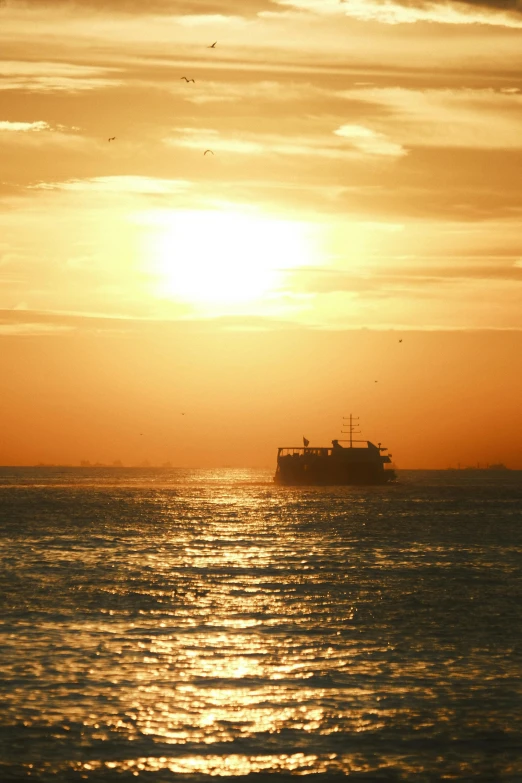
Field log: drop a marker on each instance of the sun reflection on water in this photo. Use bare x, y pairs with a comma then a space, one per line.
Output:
220, 766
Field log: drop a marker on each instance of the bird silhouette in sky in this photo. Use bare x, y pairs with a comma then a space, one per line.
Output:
111, 138
400, 340
212, 46
207, 151
188, 80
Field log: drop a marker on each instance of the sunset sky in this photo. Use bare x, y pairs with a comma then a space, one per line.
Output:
363, 186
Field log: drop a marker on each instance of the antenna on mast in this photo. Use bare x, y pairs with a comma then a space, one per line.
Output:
353, 423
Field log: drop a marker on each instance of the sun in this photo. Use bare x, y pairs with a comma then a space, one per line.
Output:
224, 256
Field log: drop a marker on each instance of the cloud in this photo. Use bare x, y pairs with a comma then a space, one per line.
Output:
467, 118
502, 13
127, 184
37, 133
352, 141
25, 323
23, 127
234, 92
493, 12
45, 76
427, 275
368, 141
156, 7
505, 13
32, 330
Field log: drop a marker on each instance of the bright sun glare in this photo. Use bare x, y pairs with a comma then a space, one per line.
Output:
225, 257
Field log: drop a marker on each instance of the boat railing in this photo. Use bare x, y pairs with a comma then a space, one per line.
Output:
285, 451
321, 451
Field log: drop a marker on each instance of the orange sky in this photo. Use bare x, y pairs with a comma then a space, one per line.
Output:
364, 187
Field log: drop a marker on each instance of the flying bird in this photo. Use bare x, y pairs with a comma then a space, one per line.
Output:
400, 341
187, 80
207, 151
212, 46
111, 138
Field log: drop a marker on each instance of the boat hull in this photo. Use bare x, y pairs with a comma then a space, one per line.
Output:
332, 475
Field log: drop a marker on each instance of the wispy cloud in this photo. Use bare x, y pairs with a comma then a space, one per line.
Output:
235, 91
494, 12
45, 76
33, 329
39, 133
368, 141
23, 127
433, 275
155, 7
458, 117
118, 184
506, 13
349, 141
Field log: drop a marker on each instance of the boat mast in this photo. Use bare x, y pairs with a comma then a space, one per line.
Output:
351, 427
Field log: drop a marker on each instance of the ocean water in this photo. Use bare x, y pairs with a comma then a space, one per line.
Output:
172, 625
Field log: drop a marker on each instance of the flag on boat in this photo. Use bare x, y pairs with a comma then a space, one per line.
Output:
305, 442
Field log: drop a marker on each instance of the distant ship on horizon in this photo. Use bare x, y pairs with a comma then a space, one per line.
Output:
335, 464
493, 466
487, 466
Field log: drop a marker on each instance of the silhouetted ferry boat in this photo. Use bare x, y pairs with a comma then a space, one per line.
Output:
320, 465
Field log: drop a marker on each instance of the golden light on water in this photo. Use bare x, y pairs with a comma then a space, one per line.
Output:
219, 766
224, 256
226, 629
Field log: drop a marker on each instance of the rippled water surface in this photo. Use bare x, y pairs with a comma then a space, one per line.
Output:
170, 625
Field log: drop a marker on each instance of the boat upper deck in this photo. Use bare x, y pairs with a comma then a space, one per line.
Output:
367, 452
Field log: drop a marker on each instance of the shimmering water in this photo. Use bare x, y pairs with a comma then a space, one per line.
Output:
170, 625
